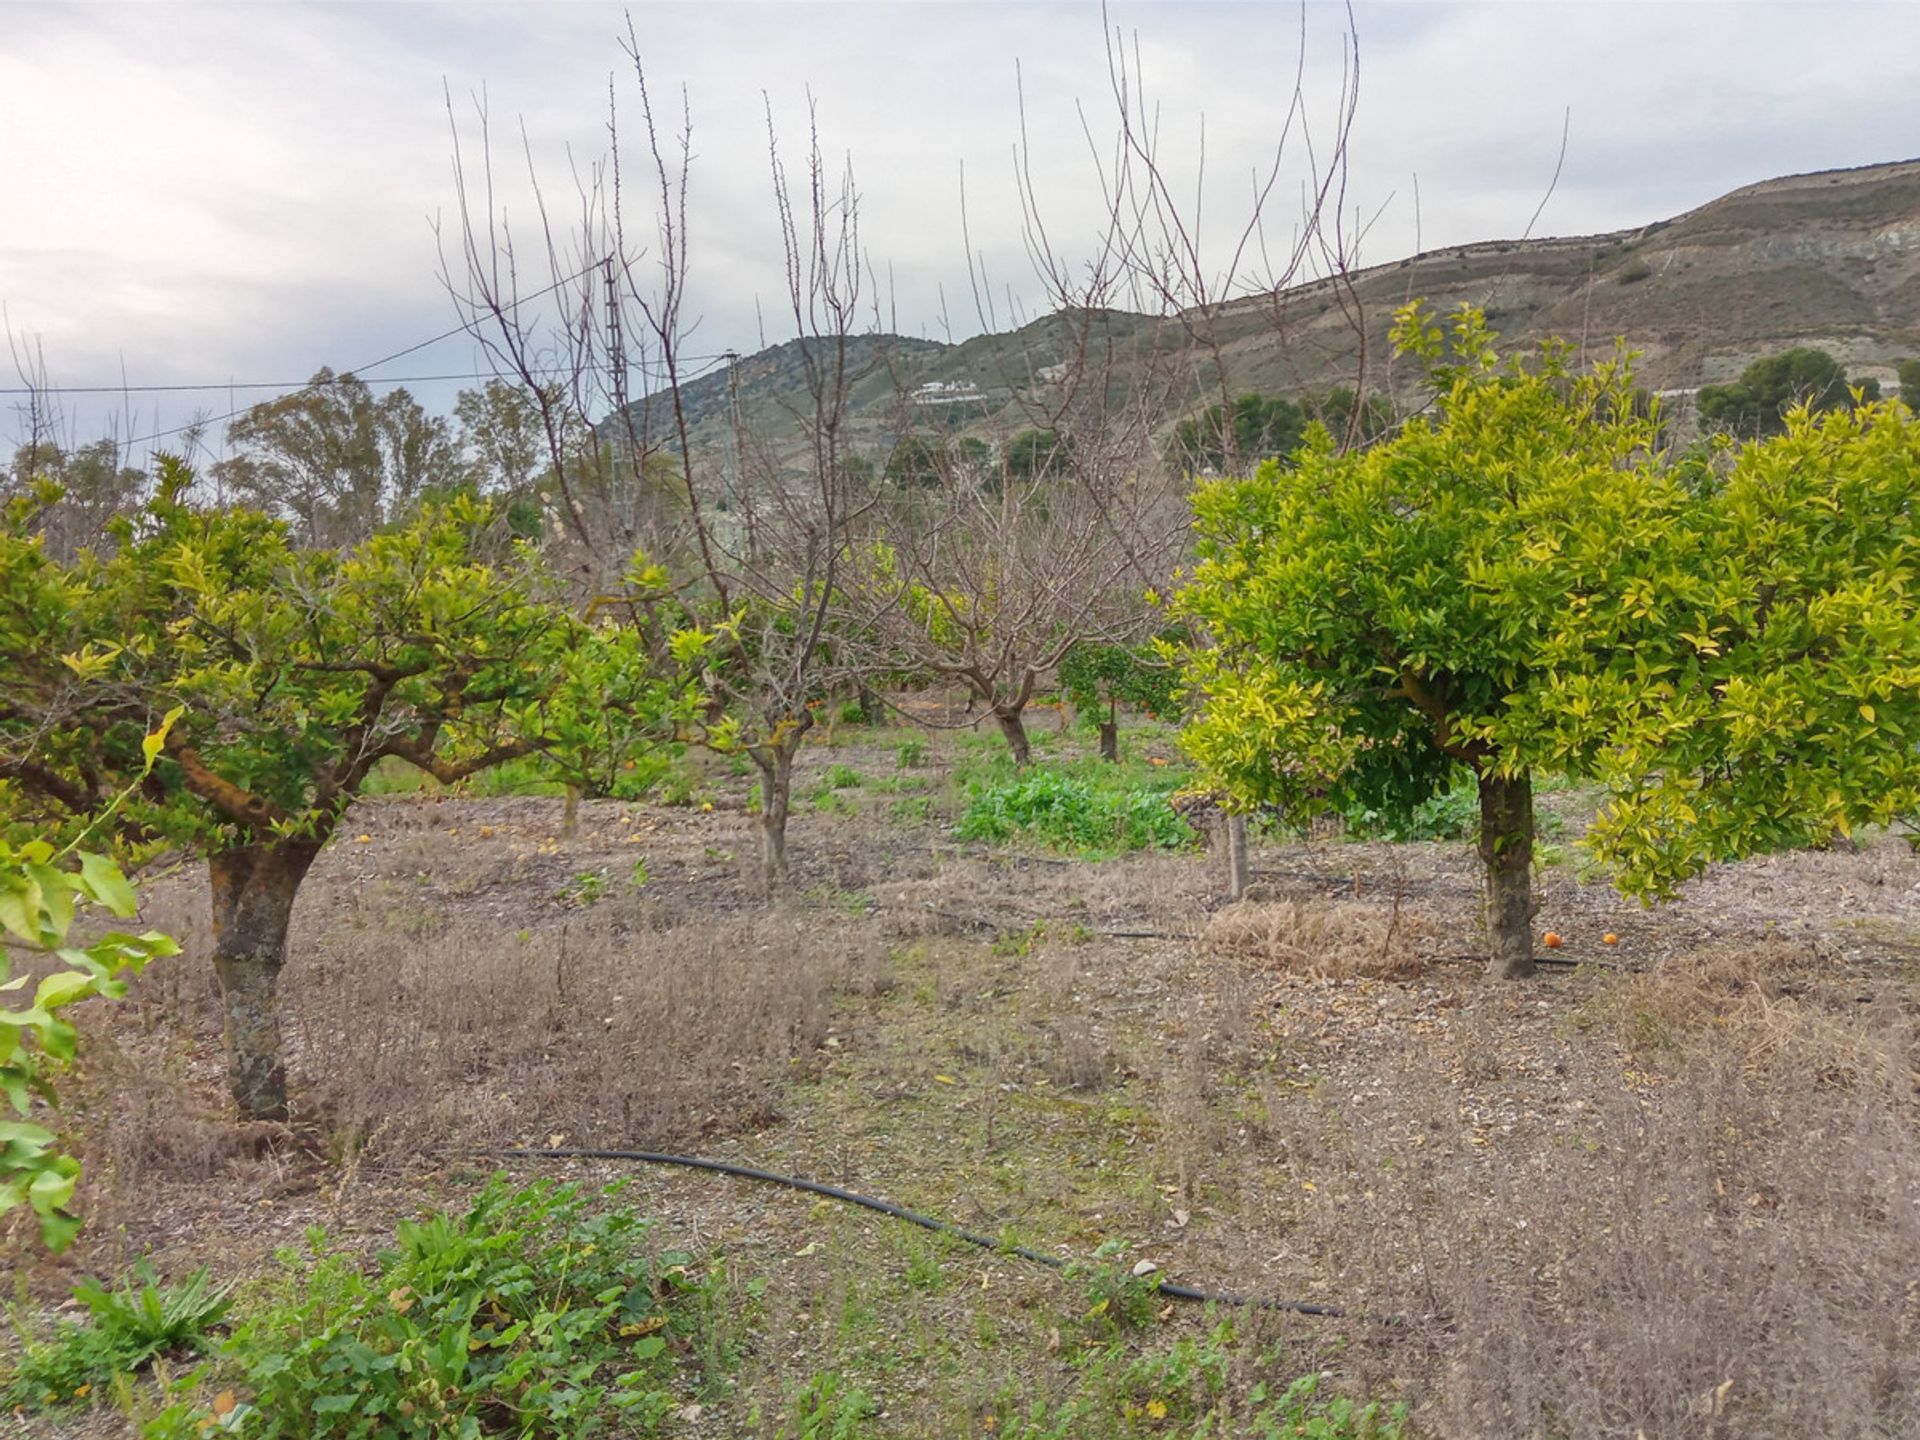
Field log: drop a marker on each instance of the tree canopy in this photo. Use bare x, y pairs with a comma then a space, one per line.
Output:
1768, 390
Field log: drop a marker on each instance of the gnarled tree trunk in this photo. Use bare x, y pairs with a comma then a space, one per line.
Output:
253, 893
1506, 852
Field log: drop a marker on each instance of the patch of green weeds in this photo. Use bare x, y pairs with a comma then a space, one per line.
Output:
535, 1313
832, 802
585, 888
1189, 1388
827, 1408
1117, 1300
853, 902
911, 810
125, 1331
840, 777
911, 753
1073, 811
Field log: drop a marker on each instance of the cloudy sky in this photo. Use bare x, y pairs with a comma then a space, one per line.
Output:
215, 194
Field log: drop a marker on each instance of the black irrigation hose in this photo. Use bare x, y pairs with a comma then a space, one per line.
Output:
883, 1207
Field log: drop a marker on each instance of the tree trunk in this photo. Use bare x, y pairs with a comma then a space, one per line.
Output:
570, 818
1014, 728
1109, 740
1506, 850
253, 893
775, 761
1236, 857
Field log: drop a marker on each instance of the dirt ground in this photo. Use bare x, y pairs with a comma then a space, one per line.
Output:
1587, 1204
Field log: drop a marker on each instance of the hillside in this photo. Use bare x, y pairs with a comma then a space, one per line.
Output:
1830, 259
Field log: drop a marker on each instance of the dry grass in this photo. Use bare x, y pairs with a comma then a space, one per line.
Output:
1332, 940
1725, 1245
603, 1029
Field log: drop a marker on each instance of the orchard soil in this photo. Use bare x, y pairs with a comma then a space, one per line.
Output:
1567, 1206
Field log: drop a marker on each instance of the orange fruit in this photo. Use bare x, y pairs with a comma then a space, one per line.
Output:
1609, 938
1551, 940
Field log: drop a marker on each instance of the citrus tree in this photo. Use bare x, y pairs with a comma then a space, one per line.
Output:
1098, 677
1371, 611
1520, 584
297, 673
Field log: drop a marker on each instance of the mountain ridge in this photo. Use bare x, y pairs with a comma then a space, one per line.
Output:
1825, 258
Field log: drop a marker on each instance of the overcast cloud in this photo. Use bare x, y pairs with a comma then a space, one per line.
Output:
213, 193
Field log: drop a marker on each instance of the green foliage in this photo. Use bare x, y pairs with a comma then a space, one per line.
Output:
335, 461
914, 461
1258, 428
911, 753
437, 645
1268, 427
921, 463
533, 1314
1116, 1299
1374, 610
1098, 677
125, 1329
841, 777
41, 892
1519, 582
1759, 402
1038, 454
1449, 814
1072, 812
1908, 372
1753, 682
827, 1408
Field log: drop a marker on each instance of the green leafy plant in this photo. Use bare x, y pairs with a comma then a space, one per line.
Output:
1769, 389
1071, 813
125, 1330
911, 753
1116, 1298
534, 1313
1192, 1387
42, 890
585, 888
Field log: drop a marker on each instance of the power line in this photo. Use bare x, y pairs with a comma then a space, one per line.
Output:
358, 371
292, 386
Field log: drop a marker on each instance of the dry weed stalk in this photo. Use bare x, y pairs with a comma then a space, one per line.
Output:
1332, 940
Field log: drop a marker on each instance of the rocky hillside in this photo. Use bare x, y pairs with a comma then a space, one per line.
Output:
1829, 260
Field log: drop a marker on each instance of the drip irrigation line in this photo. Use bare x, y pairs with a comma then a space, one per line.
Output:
925, 1222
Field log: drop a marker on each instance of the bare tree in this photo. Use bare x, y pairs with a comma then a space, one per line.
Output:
990, 584
758, 535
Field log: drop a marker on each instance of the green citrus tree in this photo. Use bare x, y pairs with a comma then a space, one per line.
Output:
298, 672
1519, 584
1367, 637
